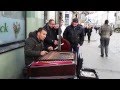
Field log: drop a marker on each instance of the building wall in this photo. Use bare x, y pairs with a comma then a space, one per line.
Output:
51, 15
35, 20
68, 20
63, 13
101, 16
11, 64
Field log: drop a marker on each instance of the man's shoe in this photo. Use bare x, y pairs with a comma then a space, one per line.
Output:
102, 55
106, 55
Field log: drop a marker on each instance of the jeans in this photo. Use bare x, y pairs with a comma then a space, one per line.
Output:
104, 45
74, 48
79, 60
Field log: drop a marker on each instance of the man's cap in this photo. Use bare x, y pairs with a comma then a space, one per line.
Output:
75, 20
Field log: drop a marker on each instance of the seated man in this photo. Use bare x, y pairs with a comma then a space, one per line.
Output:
34, 46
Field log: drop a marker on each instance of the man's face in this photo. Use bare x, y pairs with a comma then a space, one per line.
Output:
52, 24
42, 35
56, 26
74, 24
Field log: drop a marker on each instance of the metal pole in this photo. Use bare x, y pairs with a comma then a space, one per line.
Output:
107, 14
59, 31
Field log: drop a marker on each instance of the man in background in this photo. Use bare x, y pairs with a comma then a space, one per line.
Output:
105, 32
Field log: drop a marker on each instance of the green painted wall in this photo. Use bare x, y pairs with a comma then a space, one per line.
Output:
35, 20
11, 64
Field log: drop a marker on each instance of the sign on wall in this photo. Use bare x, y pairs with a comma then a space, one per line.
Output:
12, 28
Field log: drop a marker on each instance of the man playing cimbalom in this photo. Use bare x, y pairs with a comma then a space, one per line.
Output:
105, 32
34, 46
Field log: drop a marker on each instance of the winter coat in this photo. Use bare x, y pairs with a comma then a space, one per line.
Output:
51, 35
105, 31
89, 31
32, 48
75, 35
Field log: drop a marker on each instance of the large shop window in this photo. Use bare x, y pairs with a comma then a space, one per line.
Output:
66, 19
12, 30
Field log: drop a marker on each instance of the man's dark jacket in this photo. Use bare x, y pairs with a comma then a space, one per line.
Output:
32, 48
75, 35
51, 35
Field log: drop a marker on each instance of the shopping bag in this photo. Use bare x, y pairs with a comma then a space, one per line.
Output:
79, 61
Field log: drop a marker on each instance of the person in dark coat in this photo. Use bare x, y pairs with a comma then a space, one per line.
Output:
89, 33
74, 34
34, 46
96, 28
52, 32
85, 30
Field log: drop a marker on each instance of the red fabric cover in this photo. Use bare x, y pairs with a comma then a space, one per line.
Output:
66, 46
51, 63
58, 70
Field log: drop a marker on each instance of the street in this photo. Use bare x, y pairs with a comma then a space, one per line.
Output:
106, 67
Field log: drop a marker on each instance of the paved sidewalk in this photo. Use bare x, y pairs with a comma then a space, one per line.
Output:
107, 67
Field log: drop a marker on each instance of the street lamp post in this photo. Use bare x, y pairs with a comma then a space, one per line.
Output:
59, 31
107, 14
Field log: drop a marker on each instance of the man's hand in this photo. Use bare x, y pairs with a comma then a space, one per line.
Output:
50, 48
55, 42
43, 53
78, 45
56, 26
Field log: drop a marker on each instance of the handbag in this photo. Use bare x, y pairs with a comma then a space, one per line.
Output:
79, 62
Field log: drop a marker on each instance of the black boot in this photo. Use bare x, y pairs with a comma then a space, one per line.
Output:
79, 66
102, 55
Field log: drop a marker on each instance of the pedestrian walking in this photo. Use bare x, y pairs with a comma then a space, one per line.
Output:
105, 32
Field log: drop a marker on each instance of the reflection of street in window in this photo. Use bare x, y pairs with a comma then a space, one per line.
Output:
16, 28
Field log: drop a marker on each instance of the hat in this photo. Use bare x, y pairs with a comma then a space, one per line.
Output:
75, 20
